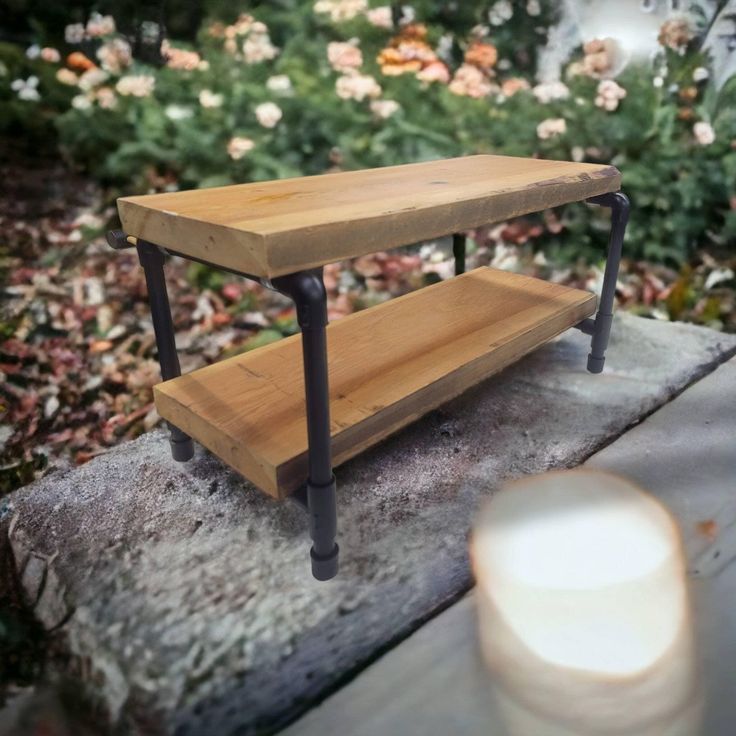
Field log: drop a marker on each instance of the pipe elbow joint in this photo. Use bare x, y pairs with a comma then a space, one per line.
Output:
617, 202
620, 206
307, 290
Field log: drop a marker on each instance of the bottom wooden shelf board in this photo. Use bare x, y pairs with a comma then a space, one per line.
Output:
388, 366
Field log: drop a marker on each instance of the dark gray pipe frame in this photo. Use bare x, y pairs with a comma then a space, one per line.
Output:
600, 328
458, 251
152, 260
306, 289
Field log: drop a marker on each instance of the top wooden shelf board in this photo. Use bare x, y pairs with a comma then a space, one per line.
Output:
272, 228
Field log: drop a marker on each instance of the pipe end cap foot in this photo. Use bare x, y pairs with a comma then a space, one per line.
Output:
182, 450
117, 239
325, 567
595, 365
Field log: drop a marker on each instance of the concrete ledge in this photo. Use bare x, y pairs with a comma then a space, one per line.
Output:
188, 593
435, 682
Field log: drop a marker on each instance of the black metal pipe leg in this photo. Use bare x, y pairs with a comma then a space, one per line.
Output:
152, 260
459, 241
308, 292
619, 205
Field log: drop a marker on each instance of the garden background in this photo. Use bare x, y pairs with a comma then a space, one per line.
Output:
99, 99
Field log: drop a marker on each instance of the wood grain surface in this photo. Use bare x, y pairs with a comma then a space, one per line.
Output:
272, 228
388, 366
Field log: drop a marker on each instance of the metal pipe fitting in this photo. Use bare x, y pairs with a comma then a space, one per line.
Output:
619, 205
307, 290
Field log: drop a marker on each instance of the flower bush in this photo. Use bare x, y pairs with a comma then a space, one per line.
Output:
306, 87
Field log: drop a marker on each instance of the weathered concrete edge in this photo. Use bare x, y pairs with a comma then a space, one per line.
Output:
467, 583
453, 586
461, 575
456, 625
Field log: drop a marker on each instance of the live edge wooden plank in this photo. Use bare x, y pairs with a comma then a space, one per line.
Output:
388, 366
271, 228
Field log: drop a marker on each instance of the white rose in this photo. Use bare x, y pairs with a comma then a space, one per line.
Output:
700, 74
344, 56
384, 108
50, 54
238, 146
500, 13
140, 85
380, 17
268, 114
26, 89
74, 33
279, 83
551, 127
608, 94
100, 25
357, 87
207, 98
106, 98
66, 76
549, 91
258, 47
704, 133
92, 78
81, 102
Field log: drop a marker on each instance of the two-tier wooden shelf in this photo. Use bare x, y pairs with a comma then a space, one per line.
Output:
283, 414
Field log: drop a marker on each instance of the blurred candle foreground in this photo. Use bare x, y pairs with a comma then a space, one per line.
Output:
583, 609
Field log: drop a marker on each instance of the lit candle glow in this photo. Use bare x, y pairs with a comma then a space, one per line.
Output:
583, 606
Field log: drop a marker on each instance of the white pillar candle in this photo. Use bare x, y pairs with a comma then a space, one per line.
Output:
583, 607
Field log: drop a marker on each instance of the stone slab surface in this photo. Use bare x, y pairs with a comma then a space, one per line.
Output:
186, 594
686, 454
435, 681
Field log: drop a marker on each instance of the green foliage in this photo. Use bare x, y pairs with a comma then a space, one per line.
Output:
186, 131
